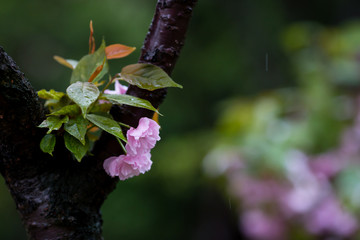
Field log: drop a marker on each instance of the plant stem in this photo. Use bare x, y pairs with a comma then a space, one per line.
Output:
124, 125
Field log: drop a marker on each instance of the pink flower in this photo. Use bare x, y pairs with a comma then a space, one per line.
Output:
143, 138
110, 166
119, 89
127, 166
137, 160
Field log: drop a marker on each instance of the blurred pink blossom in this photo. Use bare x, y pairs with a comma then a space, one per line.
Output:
327, 164
255, 192
259, 226
307, 189
222, 160
330, 217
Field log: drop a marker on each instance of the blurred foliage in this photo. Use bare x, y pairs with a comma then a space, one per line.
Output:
233, 48
290, 156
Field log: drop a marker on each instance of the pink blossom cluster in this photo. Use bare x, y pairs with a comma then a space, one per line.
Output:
140, 142
137, 160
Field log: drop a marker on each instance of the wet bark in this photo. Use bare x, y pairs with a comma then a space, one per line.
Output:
58, 198
161, 47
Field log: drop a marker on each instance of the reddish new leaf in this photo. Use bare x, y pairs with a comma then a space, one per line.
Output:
91, 39
97, 71
66, 62
118, 51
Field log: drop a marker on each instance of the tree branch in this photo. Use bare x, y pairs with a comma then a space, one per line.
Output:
162, 47
57, 197
20, 109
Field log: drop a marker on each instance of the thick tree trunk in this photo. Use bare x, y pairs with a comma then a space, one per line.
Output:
57, 197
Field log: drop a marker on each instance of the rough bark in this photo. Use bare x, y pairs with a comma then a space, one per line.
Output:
161, 47
58, 198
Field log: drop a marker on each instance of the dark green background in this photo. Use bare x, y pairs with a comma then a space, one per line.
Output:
224, 56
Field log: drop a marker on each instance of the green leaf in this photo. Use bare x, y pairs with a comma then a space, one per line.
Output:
70, 110
77, 127
147, 76
101, 108
51, 103
57, 104
83, 94
88, 64
75, 146
47, 143
130, 100
53, 123
107, 124
52, 94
